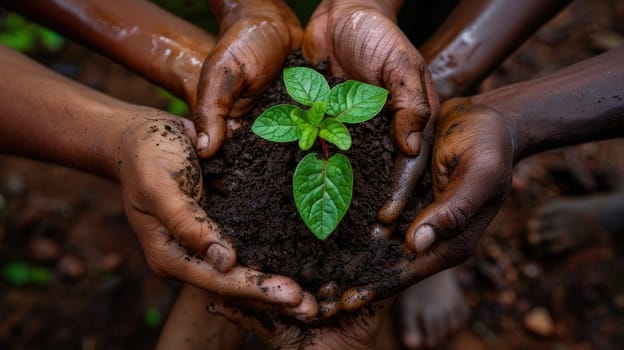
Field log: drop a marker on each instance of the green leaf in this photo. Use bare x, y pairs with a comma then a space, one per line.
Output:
335, 132
322, 191
300, 118
308, 136
316, 113
275, 124
305, 85
355, 102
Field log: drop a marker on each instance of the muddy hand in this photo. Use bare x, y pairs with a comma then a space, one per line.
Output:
255, 38
356, 330
362, 41
471, 174
162, 185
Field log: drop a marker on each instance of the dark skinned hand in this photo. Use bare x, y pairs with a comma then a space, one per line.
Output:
471, 174
255, 38
362, 41
352, 331
162, 184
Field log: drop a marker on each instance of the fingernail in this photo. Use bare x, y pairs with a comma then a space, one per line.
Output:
303, 317
218, 256
423, 238
202, 141
413, 142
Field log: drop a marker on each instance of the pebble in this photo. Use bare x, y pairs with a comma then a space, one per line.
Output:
539, 322
531, 270
44, 249
72, 267
111, 262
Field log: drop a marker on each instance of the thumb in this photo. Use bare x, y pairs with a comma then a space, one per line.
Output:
450, 215
189, 225
219, 86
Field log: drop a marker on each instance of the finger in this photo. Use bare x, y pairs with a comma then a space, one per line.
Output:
414, 107
329, 307
474, 182
305, 311
192, 229
329, 290
222, 81
241, 106
405, 175
239, 282
354, 298
315, 46
448, 253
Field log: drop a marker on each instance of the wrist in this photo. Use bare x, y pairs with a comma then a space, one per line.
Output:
577, 104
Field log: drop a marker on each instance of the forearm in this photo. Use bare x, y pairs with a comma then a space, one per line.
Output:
142, 36
478, 35
45, 116
583, 102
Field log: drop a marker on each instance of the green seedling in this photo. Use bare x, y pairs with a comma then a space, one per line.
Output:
322, 187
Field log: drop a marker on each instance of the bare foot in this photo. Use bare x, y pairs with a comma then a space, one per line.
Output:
431, 310
567, 223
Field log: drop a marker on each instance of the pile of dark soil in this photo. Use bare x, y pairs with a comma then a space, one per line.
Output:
254, 204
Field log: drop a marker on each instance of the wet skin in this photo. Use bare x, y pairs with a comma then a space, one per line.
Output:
255, 38
476, 20
478, 140
151, 154
362, 41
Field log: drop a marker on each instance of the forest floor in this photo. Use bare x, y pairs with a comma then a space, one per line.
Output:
74, 276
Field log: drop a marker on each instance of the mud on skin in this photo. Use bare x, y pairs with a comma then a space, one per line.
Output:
168, 134
253, 205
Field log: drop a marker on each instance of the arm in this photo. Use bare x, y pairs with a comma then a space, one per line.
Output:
478, 36
150, 153
580, 103
478, 140
147, 39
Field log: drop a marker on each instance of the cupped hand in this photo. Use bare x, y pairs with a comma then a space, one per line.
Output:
162, 185
255, 38
352, 331
362, 41
472, 163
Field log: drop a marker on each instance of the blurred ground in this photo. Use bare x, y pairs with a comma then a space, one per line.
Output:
73, 275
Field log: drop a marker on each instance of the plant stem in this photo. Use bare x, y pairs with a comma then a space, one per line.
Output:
324, 147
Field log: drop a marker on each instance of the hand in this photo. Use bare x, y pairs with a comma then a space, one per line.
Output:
257, 36
357, 330
162, 185
362, 41
473, 157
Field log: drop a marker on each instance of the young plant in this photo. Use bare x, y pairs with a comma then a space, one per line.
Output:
322, 187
